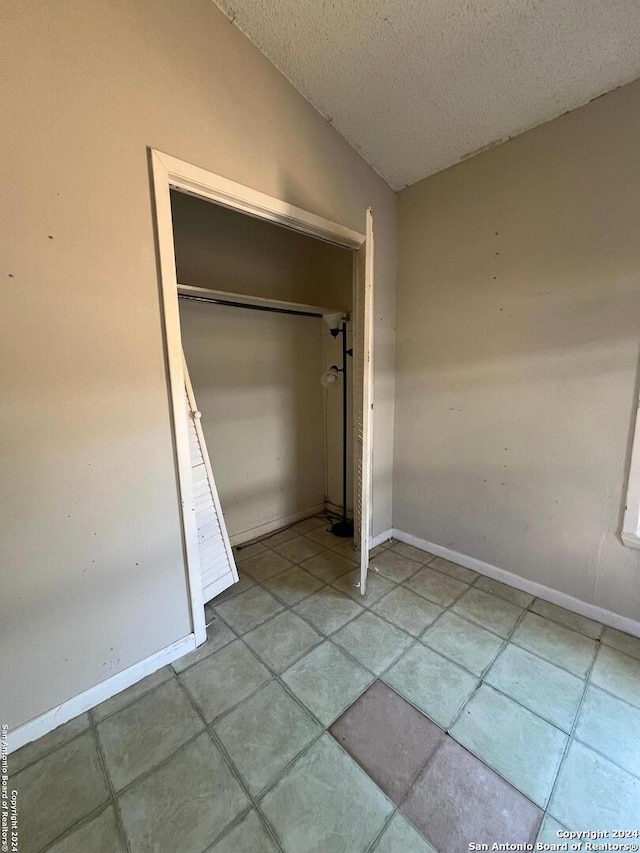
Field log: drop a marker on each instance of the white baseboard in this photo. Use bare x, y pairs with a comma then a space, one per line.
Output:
379, 538
276, 524
50, 720
583, 608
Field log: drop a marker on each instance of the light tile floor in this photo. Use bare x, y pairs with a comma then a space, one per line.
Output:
443, 708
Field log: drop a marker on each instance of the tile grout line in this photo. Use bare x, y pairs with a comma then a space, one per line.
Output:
105, 770
236, 774
570, 738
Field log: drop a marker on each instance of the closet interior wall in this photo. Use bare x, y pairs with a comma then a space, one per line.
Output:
274, 434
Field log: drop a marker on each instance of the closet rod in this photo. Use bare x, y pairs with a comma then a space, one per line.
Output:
258, 303
231, 304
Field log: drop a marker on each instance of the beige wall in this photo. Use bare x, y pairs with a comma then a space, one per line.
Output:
93, 569
518, 304
256, 377
226, 250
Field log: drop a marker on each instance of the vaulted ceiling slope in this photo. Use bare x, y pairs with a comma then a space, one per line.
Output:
417, 85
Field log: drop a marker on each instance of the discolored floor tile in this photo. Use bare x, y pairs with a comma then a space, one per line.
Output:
372, 641
293, 585
224, 679
218, 635
520, 746
146, 732
326, 681
435, 586
460, 573
503, 590
567, 618
490, 612
394, 566
458, 800
619, 674
184, 804
388, 738
265, 565
59, 790
299, 549
611, 727
408, 611
101, 834
377, 586
325, 802
622, 642
433, 684
36, 749
593, 793
463, 642
328, 566
545, 689
125, 697
282, 640
400, 837
265, 733
249, 836
252, 608
328, 609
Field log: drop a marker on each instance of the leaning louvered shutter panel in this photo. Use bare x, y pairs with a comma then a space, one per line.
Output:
362, 399
217, 565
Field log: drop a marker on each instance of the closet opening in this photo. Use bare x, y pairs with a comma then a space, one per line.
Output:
271, 307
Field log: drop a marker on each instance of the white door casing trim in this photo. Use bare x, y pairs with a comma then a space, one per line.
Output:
172, 173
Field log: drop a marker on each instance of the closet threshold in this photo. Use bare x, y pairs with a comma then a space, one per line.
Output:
257, 303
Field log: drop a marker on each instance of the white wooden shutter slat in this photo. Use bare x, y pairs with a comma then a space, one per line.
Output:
216, 557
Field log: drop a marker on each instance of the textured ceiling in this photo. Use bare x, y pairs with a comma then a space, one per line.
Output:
417, 85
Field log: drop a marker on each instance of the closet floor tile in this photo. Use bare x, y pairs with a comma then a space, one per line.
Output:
265, 565
328, 566
299, 549
400, 837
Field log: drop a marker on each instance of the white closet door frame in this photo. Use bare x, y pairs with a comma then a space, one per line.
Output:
171, 173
